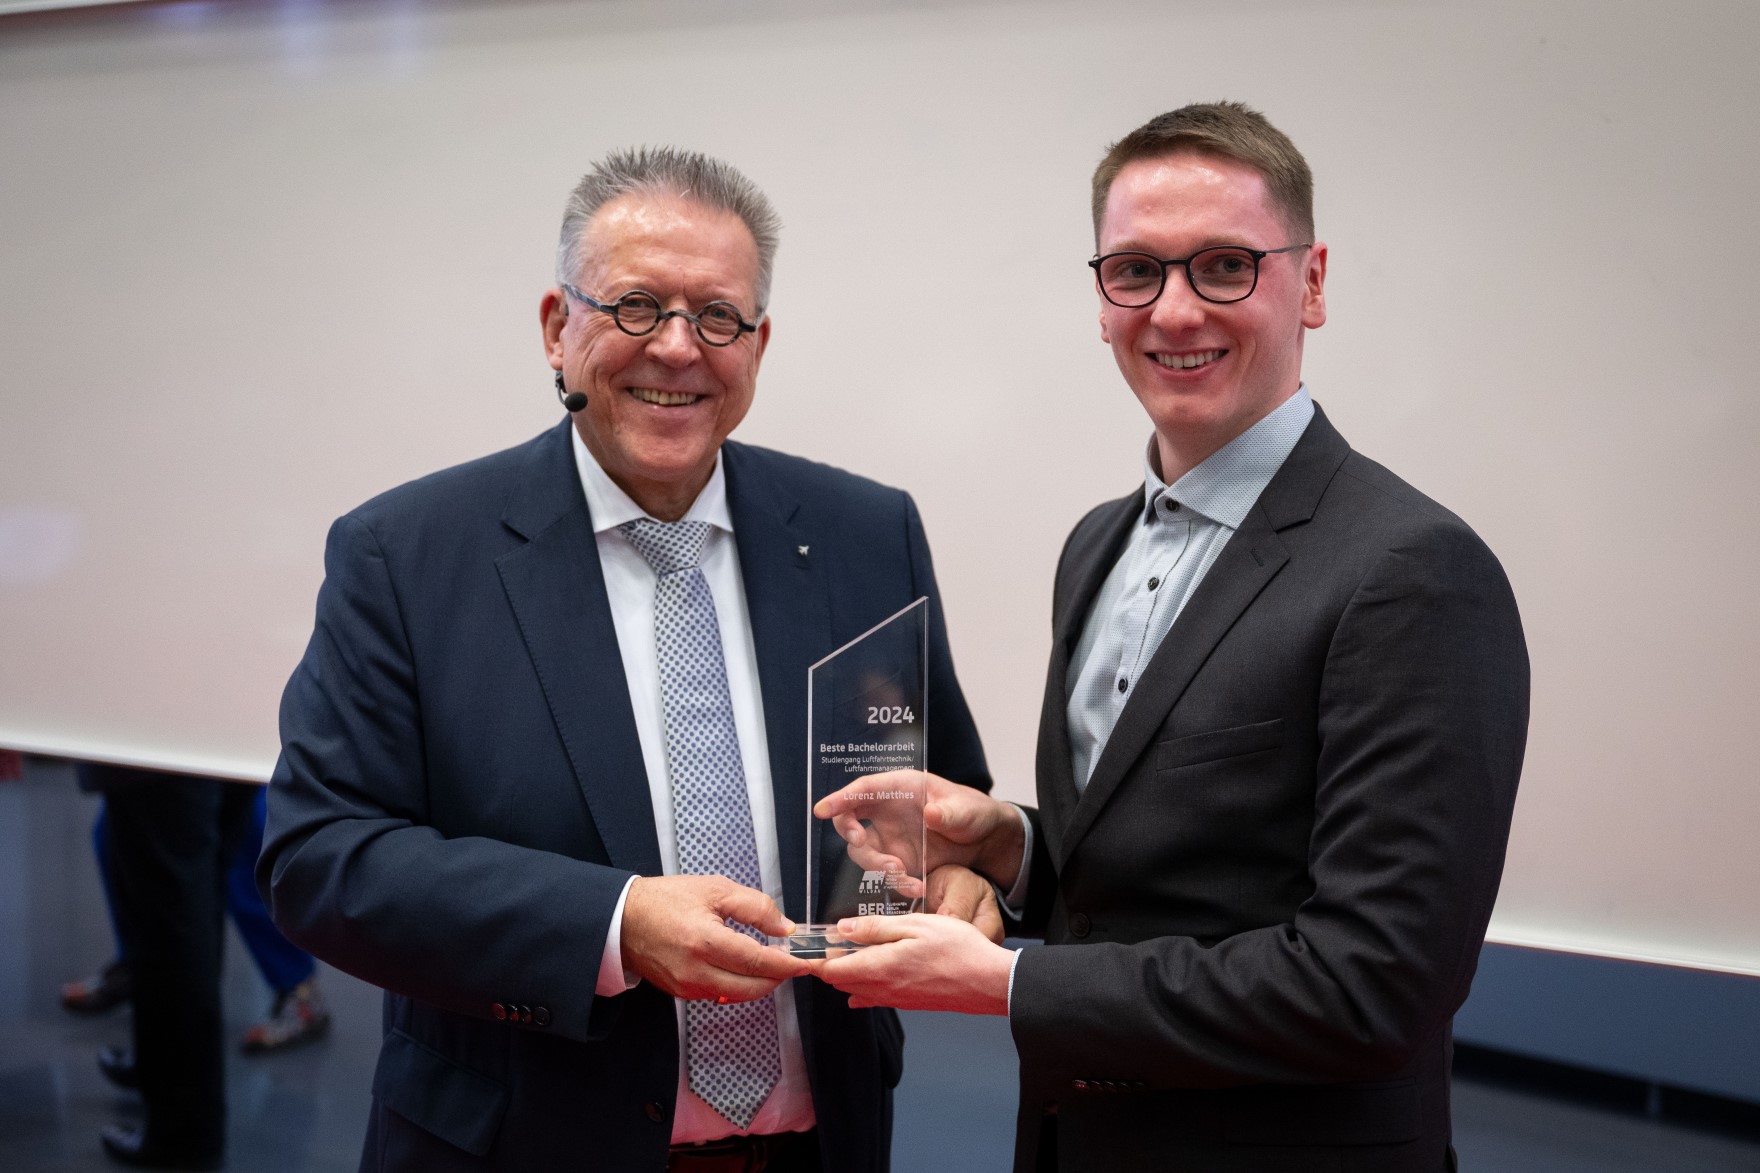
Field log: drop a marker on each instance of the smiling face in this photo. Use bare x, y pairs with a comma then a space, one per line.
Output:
1204, 372
658, 406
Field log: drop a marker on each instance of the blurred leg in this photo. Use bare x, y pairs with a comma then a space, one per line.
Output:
101, 849
283, 964
171, 838
110, 986
298, 1014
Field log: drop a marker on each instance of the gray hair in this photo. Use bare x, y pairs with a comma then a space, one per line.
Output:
669, 171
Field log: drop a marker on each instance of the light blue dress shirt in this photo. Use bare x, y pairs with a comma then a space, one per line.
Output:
1182, 529
1180, 532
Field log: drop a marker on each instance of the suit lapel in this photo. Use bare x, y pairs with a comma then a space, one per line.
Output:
1252, 558
1093, 550
557, 591
789, 604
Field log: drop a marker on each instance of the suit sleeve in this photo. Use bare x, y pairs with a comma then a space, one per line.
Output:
1422, 719
351, 868
955, 751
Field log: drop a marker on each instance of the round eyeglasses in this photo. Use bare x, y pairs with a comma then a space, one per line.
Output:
1224, 274
638, 312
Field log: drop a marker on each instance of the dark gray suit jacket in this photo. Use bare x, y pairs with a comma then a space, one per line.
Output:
461, 797
1268, 902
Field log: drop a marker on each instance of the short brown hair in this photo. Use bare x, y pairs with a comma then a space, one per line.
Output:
1231, 130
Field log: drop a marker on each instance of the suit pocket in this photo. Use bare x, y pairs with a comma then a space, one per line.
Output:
460, 1106
1235, 741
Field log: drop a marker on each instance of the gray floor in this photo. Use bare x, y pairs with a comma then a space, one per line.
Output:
305, 1110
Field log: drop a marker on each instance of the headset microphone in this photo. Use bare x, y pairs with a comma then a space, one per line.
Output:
572, 401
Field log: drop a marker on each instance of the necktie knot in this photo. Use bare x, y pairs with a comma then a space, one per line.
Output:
668, 546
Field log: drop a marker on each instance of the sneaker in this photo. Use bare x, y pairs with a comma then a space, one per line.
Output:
105, 990
298, 1016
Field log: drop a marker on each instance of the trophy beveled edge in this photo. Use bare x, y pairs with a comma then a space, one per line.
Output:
815, 940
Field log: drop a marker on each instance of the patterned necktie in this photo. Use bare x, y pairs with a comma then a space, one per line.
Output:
733, 1052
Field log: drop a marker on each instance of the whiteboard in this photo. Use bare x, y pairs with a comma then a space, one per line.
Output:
262, 261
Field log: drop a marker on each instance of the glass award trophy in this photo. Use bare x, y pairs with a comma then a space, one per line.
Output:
866, 715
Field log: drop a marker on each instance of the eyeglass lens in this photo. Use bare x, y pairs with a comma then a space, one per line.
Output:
1217, 274
718, 323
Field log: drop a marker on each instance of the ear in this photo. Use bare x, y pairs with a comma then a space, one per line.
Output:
1314, 287
1105, 335
553, 318
761, 341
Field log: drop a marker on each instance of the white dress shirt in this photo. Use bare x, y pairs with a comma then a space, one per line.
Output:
630, 585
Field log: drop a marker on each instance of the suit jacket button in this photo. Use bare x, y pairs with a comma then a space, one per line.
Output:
1078, 924
525, 1014
1081, 1085
541, 1015
655, 1112
499, 1011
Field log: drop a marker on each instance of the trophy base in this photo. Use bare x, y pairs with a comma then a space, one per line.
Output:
815, 941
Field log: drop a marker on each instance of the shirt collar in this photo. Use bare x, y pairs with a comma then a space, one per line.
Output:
1224, 487
611, 507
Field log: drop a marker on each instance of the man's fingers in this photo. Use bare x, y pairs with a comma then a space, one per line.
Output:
960, 900
851, 829
751, 907
716, 986
878, 930
904, 883
959, 892
988, 921
861, 793
959, 906
740, 956
950, 822
732, 966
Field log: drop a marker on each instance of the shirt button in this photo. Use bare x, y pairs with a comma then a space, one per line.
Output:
1170, 505
1154, 583
1123, 684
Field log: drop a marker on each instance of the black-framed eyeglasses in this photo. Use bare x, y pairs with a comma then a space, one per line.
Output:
1224, 274
638, 312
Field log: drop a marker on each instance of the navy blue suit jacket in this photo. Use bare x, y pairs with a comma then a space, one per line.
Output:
461, 797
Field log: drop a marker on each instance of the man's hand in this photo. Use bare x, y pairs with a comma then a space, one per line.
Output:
962, 893
965, 826
919, 962
674, 936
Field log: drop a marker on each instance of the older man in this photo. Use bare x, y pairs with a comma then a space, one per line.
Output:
543, 772
1281, 735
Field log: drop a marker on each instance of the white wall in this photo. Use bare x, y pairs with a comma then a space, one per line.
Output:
259, 261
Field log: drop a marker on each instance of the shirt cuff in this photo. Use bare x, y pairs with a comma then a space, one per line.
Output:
1012, 966
1014, 901
613, 978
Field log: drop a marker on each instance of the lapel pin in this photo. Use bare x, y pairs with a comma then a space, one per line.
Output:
802, 551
